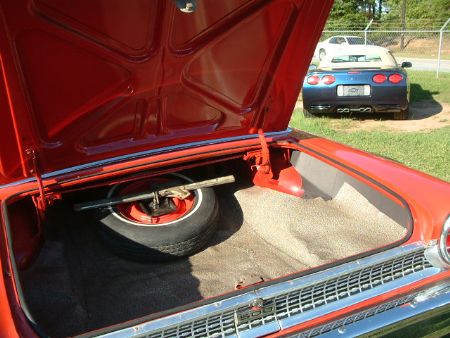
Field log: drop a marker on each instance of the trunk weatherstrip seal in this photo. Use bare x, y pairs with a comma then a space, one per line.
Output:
145, 153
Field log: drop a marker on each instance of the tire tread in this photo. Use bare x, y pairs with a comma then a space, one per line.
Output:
133, 250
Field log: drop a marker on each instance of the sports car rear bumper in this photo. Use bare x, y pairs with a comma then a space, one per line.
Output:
355, 107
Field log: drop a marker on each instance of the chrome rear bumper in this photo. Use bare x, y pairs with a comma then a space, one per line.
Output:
393, 316
283, 305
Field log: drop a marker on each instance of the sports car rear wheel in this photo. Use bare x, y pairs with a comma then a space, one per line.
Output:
175, 228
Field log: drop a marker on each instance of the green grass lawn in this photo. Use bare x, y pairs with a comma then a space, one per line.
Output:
426, 151
425, 86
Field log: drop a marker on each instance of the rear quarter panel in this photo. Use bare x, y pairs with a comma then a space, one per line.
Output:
427, 197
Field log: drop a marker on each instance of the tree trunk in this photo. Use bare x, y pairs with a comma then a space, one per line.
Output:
380, 8
403, 18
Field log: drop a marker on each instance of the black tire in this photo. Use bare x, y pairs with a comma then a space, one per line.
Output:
307, 113
149, 243
401, 115
322, 54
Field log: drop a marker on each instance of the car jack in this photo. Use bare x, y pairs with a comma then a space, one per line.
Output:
180, 192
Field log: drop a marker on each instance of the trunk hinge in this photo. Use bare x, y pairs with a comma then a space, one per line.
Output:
274, 170
33, 163
261, 157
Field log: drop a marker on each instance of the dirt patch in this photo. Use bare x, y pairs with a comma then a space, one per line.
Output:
419, 47
423, 116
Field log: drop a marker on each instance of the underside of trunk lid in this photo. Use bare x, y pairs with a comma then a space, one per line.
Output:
90, 80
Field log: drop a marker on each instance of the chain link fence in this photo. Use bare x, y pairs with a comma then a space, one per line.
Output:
427, 48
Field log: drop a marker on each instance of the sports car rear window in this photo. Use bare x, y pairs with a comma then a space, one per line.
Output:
356, 58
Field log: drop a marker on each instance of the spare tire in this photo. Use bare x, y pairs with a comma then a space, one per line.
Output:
131, 232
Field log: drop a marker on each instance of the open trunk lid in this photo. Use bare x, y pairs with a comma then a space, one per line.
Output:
90, 80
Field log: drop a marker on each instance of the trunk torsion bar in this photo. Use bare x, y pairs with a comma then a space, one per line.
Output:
180, 191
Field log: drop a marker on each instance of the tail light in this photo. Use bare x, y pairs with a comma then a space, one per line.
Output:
395, 78
328, 79
379, 78
313, 80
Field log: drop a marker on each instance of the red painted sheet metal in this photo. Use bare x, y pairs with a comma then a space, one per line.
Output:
429, 209
91, 79
427, 197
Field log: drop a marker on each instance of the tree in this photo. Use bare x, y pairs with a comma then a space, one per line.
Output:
354, 13
419, 13
346, 13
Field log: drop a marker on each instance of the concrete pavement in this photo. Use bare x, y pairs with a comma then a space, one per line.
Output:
426, 64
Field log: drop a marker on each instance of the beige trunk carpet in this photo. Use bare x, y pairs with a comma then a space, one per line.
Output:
77, 285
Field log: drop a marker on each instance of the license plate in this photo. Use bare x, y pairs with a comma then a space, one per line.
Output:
362, 90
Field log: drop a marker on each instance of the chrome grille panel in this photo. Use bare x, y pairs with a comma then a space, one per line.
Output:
332, 290
293, 301
341, 325
320, 330
221, 325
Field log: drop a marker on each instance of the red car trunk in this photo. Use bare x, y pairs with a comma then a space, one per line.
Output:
107, 99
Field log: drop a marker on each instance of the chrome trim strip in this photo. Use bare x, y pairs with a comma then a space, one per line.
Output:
432, 299
396, 284
145, 153
13, 184
284, 288
443, 241
435, 256
220, 306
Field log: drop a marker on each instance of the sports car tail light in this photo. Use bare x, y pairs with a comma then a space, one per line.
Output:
328, 79
379, 78
395, 78
313, 80
444, 241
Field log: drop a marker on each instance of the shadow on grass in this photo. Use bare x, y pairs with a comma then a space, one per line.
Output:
418, 93
423, 104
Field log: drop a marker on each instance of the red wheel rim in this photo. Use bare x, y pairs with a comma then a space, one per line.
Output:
134, 212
